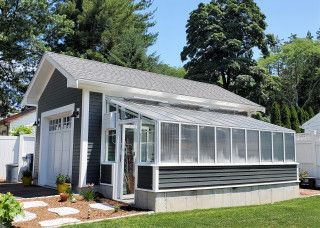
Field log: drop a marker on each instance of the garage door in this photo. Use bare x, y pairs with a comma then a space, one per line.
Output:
60, 154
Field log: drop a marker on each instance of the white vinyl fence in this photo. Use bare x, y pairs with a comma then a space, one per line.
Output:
13, 149
308, 153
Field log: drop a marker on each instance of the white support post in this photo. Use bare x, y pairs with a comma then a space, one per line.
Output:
215, 145
179, 143
198, 142
272, 159
84, 138
155, 177
246, 144
284, 147
259, 143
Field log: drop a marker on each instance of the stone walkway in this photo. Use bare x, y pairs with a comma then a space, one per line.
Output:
61, 211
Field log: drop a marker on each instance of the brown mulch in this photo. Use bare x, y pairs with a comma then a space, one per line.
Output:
86, 213
309, 192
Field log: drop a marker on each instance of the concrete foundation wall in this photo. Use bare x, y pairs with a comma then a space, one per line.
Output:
215, 198
106, 191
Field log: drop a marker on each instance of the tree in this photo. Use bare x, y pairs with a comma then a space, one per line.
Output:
285, 116
295, 125
24, 27
113, 31
309, 35
311, 112
275, 114
221, 36
163, 68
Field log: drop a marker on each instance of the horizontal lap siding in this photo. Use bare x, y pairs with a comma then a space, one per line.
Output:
55, 95
145, 175
94, 138
188, 177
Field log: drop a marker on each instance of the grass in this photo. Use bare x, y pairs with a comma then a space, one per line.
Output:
303, 212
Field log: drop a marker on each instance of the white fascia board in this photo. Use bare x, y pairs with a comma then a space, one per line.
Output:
130, 92
44, 72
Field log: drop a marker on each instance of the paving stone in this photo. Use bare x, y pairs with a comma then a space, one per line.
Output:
26, 217
31, 204
64, 210
100, 206
58, 222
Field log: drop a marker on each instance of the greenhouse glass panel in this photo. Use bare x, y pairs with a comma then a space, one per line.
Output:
207, 144
238, 146
278, 148
289, 145
169, 143
252, 146
223, 145
266, 146
147, 145
189, 143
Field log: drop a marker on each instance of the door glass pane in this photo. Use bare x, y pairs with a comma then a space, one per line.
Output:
289, 140
207, 144
189, 143
169, 143
238, 146
252, 146
111, 145
278, 149
147, 141
223, 145
129, 156
266, 146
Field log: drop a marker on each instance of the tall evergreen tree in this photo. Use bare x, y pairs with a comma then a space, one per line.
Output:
285, 116
306, 116
275, 114
295, 125
311, 112
301, 114
221, 36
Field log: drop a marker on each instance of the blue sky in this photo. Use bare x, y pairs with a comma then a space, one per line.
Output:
283, 18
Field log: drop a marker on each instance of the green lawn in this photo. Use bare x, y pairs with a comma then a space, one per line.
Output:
303, 212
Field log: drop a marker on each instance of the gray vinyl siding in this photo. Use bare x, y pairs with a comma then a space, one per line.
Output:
106, 174
145, 175
94, 138
55, 95
191, 176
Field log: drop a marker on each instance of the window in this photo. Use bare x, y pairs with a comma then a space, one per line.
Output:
223, 145
111, 107
169, 143
266, 146
111, 145
147, 141
278, 150
126, 114
238, 146
207, 144
253, 146
189, 143
289, 145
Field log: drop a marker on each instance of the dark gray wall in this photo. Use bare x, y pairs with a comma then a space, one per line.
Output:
210, 176
106, 174
145, 175
55, 95
94, 138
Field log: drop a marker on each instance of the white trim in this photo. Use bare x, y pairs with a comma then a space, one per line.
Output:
225, 164
44, 134
84, 138
155, 178
103, 132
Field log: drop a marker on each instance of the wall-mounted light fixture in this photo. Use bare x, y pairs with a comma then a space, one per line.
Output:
37, 123
76, 114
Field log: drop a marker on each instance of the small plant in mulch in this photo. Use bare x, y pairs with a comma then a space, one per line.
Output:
88, 193
9, 208
63, 183
71, 196
116, 208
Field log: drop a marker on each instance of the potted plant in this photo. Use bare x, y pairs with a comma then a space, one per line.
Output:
63, 183
9, 208
26, 177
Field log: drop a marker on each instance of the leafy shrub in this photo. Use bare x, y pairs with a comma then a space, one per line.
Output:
26, 173
21, 130
88, 192
302, 174
61, 179
9, 208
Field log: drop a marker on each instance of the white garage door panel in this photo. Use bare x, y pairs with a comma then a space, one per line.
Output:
60, 156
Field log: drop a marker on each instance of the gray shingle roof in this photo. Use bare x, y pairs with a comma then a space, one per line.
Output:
113, 74
191, 116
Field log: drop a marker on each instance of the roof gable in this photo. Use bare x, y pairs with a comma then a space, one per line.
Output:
84, 73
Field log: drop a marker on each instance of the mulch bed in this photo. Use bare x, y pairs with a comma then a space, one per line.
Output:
86, 213
309, 192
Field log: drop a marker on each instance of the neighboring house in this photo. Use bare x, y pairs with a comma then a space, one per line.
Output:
27, 118
172, 144
312, 125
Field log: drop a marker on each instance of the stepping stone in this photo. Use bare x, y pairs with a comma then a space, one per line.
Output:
64, 211
31, 204
26, 217
58, 222
100, 206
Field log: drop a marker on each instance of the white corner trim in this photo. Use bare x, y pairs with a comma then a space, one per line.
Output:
84, 113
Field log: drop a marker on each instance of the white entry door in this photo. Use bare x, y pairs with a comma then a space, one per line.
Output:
59, 149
